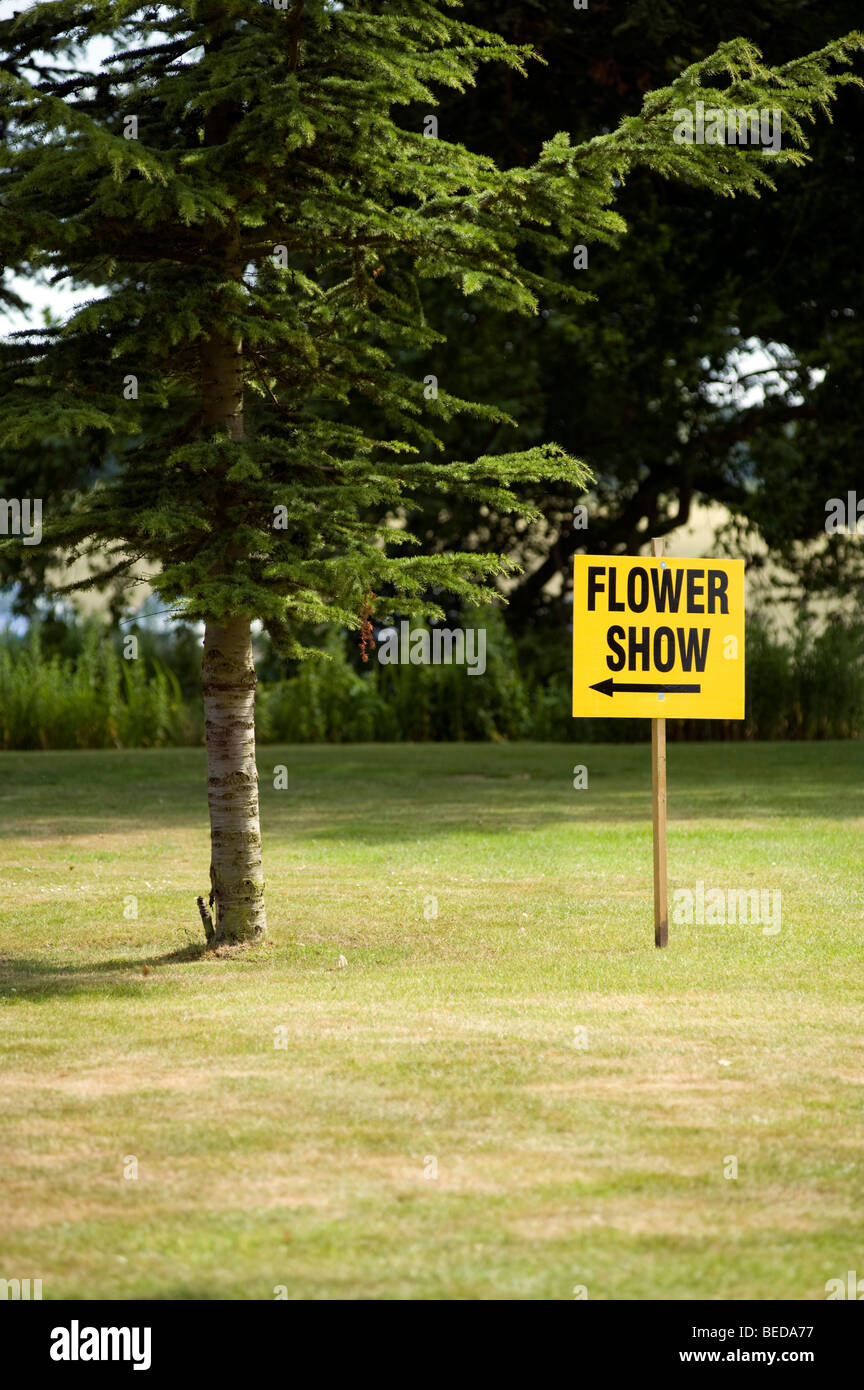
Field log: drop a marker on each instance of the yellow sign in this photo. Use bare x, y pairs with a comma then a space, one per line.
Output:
658, 638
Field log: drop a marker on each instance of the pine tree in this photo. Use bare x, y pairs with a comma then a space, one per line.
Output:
246, 189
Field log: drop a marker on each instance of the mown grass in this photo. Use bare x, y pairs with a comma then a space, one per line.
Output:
448, 1037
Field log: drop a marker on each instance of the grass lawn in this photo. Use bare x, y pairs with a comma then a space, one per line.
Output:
564, 1158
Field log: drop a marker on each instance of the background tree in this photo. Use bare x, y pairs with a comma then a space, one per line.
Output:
632, 377
245, 189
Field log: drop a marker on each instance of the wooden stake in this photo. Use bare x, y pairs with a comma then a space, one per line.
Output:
658, 784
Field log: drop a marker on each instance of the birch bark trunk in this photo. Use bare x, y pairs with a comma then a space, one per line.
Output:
236, 871
228, 681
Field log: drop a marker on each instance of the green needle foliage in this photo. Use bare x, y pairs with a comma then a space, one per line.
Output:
258, 128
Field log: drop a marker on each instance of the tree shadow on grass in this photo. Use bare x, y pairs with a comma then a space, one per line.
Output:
31, 976
396, 794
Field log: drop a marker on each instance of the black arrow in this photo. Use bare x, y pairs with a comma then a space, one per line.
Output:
610, 686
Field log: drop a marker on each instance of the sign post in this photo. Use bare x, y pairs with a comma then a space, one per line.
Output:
658, 790
657, 638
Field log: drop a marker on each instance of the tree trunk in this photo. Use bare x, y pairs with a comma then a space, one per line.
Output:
228, 679
236, 872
